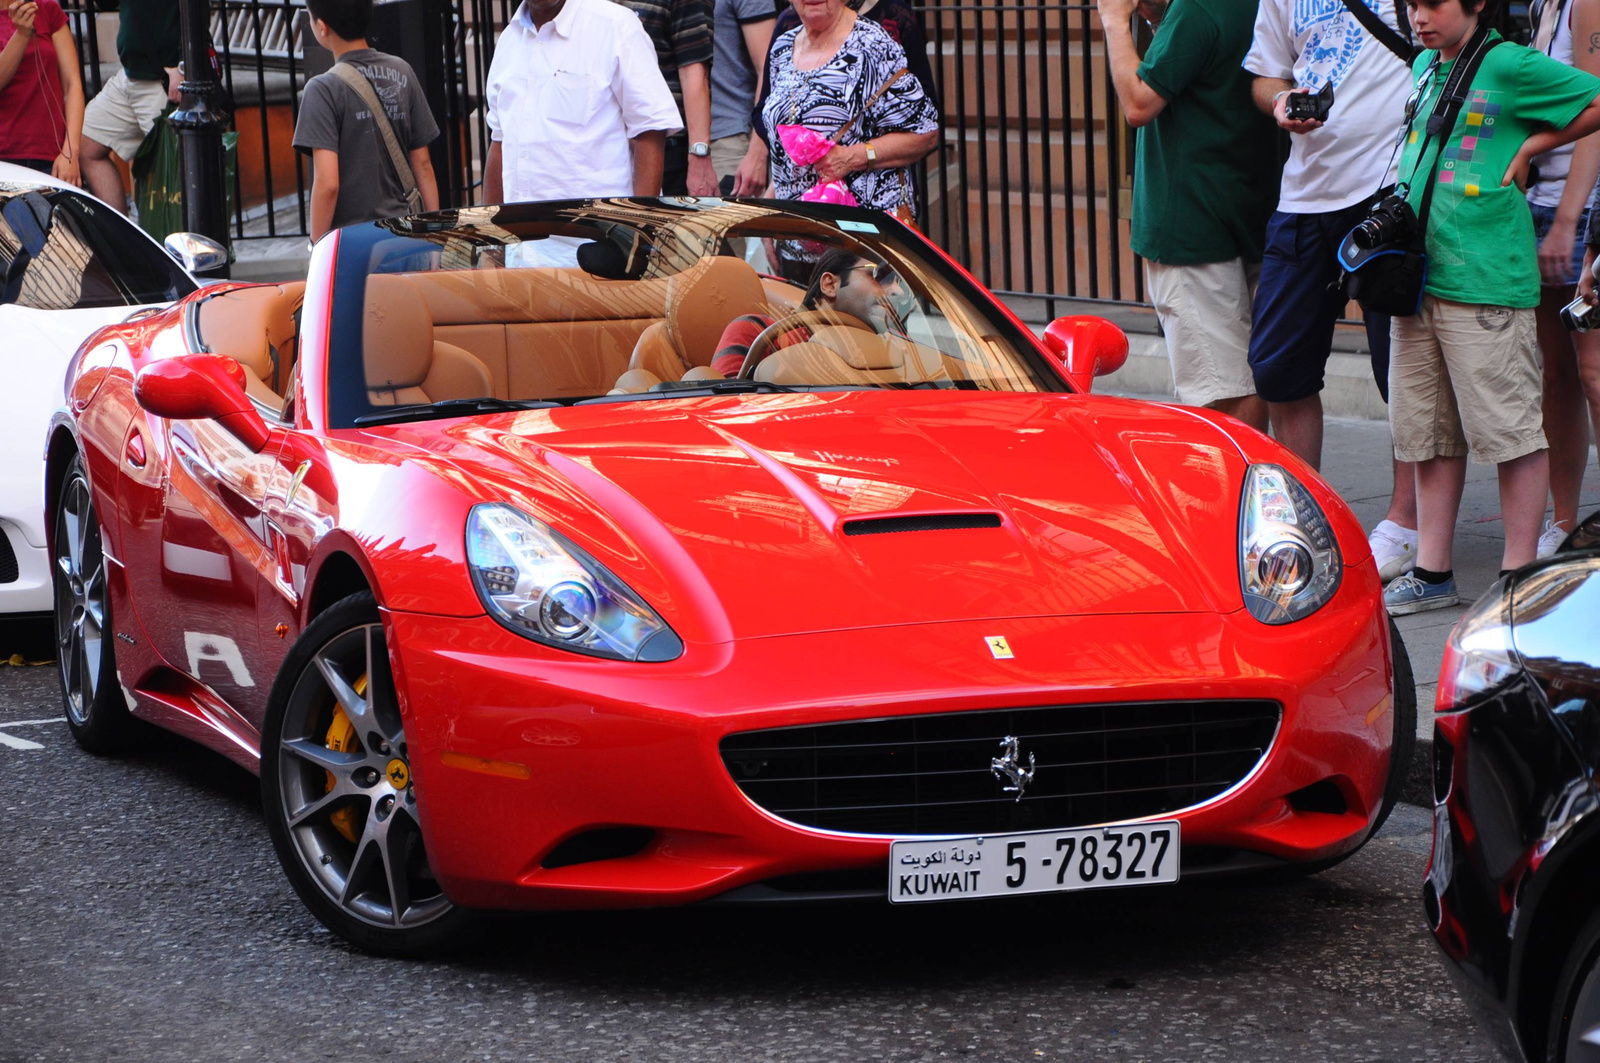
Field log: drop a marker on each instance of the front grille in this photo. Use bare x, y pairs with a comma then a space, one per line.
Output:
8, 559
909, 775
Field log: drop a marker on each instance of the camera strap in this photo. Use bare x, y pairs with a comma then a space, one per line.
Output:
1446, 109
1403, 47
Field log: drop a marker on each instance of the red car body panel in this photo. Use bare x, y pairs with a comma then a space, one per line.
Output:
1114, 576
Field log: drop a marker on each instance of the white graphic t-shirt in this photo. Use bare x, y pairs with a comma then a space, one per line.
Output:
1313, 43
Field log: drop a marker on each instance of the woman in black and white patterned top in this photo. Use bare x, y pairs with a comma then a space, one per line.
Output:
828, 73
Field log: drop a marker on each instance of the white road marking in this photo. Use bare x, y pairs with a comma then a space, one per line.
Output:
13, 742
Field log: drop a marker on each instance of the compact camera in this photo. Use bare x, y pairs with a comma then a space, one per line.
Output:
1578, 315
1306, 106
1390, 221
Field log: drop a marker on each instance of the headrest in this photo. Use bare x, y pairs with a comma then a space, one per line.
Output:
397, 333
860, 348
703, 299
246, 324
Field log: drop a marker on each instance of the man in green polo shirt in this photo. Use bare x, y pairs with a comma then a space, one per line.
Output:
1205, 182
149, 42
1464, 371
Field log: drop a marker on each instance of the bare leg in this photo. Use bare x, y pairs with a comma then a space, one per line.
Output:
101, 175
1566, 425
1588, 348
1248, 408
1524, 483
1298, 426
1440, 482
1403, 503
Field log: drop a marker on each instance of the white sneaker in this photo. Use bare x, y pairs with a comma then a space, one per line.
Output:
1551, 538
1394, 549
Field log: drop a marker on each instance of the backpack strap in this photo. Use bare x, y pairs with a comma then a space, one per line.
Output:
347, 73
1403, 47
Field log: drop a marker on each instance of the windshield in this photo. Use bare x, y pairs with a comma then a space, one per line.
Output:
63, 251
650, 301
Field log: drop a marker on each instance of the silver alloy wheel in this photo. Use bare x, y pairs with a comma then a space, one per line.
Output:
80, 585
382, 877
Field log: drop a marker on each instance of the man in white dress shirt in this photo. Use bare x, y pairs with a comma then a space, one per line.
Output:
577, 105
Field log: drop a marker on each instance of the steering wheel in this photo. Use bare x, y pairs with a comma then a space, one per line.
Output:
810, 320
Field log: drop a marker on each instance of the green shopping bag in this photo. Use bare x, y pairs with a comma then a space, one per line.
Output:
158, 177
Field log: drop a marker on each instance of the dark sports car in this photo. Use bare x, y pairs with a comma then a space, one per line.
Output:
646, 552
1513, 887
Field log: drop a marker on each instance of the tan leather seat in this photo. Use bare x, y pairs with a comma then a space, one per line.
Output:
839, 354
700, 302
404, 363
255, 327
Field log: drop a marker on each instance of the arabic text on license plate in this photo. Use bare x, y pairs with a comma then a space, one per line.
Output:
998, 865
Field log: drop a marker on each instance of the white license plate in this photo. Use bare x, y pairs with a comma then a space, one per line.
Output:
1053, 861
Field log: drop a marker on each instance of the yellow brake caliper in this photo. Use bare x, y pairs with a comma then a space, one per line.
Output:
342, 739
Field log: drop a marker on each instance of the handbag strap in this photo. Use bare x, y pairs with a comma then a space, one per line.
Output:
1403, 47
874, 98
1447, 109
348, 73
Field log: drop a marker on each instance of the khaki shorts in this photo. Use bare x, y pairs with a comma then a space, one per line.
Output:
1465, 379
728, 152
122, 113
1205, 313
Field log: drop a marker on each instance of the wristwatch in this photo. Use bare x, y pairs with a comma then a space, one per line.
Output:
872, 155
700, 148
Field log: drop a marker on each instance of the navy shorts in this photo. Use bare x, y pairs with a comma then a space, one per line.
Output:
1297, 303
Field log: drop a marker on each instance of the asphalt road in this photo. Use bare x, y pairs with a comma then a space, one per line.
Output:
143, 917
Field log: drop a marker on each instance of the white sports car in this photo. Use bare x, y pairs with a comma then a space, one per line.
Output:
69, 265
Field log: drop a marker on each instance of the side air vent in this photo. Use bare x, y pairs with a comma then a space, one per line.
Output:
920, 522
8, 560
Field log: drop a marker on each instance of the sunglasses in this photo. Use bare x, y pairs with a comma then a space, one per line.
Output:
882, 274
1414, 101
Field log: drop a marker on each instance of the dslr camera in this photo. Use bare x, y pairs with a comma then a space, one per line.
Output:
1391, 221
1305, 106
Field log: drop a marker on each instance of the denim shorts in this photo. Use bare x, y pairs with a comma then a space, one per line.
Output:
1543, 218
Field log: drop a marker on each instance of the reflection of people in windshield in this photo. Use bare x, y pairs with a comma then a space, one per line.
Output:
855, 284
847, 282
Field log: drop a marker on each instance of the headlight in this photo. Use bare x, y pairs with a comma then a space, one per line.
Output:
541, 586
1479, 654
1289, 563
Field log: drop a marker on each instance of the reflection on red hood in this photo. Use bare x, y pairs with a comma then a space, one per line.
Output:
740, 508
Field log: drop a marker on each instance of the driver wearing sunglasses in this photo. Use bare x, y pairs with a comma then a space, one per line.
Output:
843, 281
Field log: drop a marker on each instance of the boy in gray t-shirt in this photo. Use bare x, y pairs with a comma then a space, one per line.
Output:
353, 178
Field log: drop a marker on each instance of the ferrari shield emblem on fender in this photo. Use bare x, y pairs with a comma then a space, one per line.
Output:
998, 647
1009, 766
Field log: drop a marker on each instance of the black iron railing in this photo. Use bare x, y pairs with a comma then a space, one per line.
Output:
1028, 187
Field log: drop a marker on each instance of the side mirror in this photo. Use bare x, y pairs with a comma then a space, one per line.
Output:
196, 253
197, 386
1087, 346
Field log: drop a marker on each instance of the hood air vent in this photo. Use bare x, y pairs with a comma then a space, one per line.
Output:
920, 522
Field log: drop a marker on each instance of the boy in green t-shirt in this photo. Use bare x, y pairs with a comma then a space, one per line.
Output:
1464, 373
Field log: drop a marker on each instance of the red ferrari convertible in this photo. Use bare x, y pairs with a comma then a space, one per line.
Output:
647, 552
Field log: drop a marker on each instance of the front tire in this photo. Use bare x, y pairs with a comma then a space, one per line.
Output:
97, 713
337, 793
1576, 1008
